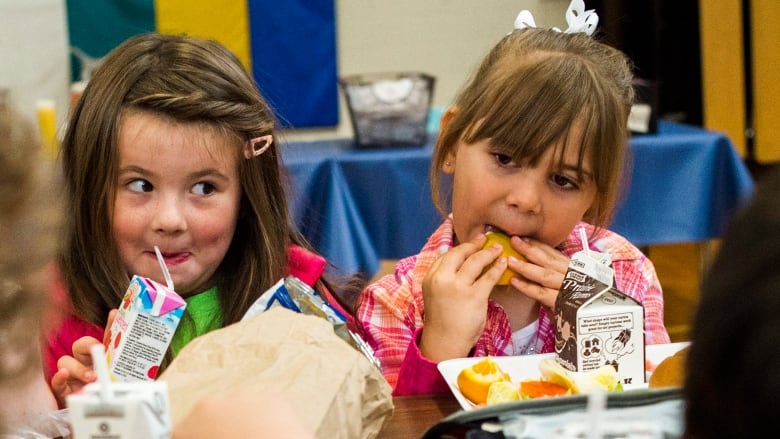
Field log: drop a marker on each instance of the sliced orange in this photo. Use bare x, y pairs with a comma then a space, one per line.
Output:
474, 381
539, 388
502, 239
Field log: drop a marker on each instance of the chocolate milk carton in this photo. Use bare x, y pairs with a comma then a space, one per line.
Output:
595, 323
143, 329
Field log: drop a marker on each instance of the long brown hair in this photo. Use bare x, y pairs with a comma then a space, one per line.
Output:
528, 92
190, 80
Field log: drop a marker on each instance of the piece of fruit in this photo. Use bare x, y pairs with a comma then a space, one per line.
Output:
502, 239
605, 378
502, 391
474, 381
539, 388
554, 372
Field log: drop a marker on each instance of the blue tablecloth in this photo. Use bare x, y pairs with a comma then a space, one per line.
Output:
358, 206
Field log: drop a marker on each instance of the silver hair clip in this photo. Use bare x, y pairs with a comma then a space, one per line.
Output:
578, 19
258, 145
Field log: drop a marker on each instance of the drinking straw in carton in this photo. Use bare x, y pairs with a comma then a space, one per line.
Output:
126, 410
144, 326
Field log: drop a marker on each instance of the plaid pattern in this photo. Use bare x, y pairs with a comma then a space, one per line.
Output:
391, 310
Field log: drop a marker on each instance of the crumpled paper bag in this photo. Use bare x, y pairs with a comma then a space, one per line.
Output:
337, 392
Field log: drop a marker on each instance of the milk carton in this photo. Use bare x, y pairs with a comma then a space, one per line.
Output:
595, 323
143, 330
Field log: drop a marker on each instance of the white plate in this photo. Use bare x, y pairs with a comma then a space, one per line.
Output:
526, 367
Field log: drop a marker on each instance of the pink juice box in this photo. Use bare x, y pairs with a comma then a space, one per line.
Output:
143, 329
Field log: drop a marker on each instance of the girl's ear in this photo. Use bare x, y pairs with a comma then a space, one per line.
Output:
448, 167
446, 117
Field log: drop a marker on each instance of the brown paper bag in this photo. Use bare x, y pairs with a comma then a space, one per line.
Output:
337, 392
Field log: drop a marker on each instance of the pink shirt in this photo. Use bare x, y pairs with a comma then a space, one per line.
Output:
391, 310
303, 264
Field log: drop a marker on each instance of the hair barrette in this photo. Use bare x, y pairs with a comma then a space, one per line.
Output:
578, 19
258, 145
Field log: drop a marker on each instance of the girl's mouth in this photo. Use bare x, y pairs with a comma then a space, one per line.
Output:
174, 258
492, 228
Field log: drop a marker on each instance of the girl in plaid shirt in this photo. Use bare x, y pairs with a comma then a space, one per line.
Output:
533, 146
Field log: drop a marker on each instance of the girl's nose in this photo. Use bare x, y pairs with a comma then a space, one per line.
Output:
169, 215
526, 194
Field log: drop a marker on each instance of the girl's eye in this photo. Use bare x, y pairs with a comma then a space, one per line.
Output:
140, 185
203, 188
503, 159
564, 182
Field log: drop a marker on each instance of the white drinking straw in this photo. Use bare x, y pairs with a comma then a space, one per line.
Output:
101, 370
167, 274
596, 406
584, 240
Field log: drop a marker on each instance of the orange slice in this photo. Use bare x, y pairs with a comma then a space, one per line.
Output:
537, 389
502, 239
474, 381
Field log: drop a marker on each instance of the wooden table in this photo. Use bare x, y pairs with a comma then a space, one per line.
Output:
414, 415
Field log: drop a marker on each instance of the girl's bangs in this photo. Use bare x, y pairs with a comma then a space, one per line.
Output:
534, 110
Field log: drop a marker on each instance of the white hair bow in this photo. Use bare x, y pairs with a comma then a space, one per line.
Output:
578, 19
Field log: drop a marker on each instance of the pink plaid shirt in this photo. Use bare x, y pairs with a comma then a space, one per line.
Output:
391, 310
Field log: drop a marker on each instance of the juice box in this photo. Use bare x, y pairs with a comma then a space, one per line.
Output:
143, 329
134, 410
595, 324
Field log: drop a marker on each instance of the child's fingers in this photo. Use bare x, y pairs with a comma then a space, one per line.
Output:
59, 386
82, 350
489, 278
541, 254
545, 296
469, 260
76, 370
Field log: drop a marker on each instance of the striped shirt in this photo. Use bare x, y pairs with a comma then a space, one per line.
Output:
391, 310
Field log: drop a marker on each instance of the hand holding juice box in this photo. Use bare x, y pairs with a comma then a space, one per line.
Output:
143, 328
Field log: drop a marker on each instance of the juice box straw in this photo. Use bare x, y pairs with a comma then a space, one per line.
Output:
166, 273
101, 370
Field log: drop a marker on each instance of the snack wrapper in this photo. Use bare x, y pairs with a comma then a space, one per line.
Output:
295, 295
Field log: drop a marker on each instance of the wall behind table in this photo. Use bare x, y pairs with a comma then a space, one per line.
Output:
34, 53
445, 38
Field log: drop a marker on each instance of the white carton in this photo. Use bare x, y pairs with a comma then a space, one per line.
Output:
125, 410
596, 324
143, 329
134, 410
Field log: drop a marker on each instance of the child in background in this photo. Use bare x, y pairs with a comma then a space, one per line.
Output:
732, 373
171, 145
535, 146
29, 220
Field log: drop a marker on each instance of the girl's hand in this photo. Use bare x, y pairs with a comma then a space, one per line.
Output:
543, 272
455, 292
74, 372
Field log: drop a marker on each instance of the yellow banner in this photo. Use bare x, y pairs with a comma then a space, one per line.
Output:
226, 21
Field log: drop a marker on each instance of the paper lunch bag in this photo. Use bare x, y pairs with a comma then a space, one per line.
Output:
337, 392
